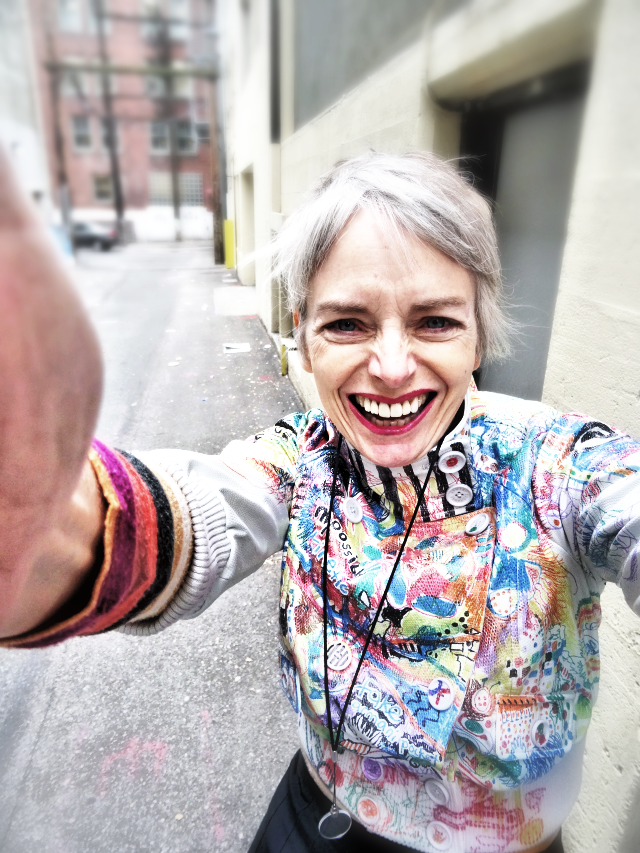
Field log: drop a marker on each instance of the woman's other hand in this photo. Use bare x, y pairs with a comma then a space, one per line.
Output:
50, 385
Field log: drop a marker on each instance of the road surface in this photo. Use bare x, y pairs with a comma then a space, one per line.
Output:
173, 744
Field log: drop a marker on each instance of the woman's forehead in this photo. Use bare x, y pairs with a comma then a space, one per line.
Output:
368, 266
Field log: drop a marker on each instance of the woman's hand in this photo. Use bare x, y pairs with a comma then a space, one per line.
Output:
50, 385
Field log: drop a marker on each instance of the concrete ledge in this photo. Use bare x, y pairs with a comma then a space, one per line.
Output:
488, 46
303, 382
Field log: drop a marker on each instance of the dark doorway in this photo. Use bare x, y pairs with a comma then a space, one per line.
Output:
521, 147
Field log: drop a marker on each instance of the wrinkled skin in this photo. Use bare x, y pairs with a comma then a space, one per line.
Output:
389, 321
50, 367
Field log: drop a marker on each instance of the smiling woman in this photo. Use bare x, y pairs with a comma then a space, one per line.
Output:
444, 550
417, 196
390, 324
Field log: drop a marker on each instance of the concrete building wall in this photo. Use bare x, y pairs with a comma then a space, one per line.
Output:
338, 44
388, 111
250, 151
593, 366
416, 98
20, 120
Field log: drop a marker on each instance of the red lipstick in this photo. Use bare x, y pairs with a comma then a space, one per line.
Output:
393, 430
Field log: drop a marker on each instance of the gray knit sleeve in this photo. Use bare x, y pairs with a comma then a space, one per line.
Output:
236, 521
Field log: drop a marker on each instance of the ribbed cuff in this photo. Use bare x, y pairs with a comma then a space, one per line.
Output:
211, 549
130, 548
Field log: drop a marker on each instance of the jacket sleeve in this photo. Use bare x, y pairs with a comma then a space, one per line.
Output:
180, 528
589, 485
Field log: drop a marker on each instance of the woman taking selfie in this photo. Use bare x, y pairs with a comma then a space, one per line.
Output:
444, 549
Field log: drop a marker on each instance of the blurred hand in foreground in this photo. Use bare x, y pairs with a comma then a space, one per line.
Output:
51, 510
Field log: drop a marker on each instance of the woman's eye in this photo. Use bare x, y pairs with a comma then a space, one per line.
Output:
436, 322
345, 325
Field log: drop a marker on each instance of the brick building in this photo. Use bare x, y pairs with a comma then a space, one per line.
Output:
170, 37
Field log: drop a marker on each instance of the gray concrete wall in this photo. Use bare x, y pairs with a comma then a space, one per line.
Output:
594, 366
339, 42
594, 353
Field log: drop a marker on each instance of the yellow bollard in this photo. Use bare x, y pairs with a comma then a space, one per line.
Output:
229, 244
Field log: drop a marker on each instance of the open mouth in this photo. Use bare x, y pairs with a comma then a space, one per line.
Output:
393, 414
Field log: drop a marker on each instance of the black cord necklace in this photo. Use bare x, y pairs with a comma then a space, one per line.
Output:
337, 822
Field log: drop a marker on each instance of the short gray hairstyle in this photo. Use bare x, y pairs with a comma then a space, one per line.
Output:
417, 193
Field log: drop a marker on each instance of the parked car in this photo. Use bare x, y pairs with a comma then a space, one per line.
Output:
63, 244
96, 236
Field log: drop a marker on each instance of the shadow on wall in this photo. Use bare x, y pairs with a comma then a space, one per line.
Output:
630, 842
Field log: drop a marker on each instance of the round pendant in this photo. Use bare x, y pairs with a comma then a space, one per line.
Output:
334, 824
338, 656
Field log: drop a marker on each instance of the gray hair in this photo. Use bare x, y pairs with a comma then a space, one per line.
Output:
416, 193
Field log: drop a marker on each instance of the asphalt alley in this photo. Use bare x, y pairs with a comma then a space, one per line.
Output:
172, 744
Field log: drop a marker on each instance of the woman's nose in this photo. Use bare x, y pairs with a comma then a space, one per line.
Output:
391, 360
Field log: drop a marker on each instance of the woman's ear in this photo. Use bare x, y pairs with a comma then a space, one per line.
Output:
301, 343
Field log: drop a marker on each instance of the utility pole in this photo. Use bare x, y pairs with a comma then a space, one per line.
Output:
218, 193
218, 148
164, 58
110, 125
62, 180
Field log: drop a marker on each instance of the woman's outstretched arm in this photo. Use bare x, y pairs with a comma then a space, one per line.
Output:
51, 510
96, 539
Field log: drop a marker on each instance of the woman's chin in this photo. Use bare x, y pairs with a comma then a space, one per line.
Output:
389, 451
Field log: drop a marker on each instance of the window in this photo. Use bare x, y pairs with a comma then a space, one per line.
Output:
104, 130
191, 188
102, 189
155, 86
202, 131
160, 188
151, 12
81, 129
185, 137
73, 83
179, 14
182, 83
189, 184
69, 15
159, 138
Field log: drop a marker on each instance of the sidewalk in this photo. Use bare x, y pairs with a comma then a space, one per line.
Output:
173, 744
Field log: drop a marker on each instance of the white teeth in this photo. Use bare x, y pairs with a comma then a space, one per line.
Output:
392, 410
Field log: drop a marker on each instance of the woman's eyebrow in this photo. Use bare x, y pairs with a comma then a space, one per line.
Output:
338, 306
438, 304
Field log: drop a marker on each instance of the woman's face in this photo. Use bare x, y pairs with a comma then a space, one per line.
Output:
391, 341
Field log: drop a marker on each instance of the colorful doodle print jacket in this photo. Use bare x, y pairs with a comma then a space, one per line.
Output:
466, 726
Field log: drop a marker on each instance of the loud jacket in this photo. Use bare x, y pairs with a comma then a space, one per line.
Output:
466, 724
